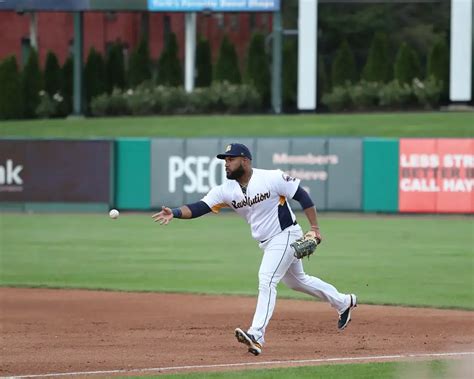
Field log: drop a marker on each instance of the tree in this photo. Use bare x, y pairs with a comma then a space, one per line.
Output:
67, 72
31, 84
94, 75
140, 64
203, 63
115, 67
343, 67
258, 70
378, 66
289, 75
169, 67
11, 105
324, 80
407, 65
227, 67
52, 74
438, 66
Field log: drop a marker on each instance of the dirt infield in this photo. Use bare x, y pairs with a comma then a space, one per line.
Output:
58, 331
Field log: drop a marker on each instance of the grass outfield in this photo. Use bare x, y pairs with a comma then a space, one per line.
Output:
428, 124
435, 369
417, 261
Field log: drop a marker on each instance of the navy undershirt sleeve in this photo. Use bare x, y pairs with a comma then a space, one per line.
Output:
198, 209
303, 198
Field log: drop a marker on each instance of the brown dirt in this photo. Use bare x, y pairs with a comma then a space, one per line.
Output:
57, 331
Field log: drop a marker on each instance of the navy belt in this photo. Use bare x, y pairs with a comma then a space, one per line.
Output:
295, 223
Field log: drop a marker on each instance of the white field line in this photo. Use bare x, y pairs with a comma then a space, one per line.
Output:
244, 364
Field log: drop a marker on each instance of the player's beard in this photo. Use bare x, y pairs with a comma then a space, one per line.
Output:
237, 173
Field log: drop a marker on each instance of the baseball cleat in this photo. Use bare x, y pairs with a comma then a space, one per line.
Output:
345, 317
254, 347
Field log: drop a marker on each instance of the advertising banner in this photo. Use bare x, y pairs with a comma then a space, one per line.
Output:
183, 171
436, 175
214, 5
55, 171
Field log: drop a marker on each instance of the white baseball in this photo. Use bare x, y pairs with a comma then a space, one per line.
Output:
114, 213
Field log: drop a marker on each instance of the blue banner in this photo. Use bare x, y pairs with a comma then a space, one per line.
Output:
214, 5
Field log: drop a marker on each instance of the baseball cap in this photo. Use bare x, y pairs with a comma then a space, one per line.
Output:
235, 150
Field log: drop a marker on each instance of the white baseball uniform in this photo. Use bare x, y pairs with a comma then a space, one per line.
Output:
264, 204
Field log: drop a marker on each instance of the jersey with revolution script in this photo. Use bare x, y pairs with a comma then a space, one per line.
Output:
263, 203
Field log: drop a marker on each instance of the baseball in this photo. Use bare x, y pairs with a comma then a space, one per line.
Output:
114, 213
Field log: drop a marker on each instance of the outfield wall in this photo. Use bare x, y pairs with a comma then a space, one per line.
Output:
341, 174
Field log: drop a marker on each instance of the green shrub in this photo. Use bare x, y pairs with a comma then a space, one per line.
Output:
395, 95
52, 74
49, 106
428, 92
343, 68
173, 100
141, 102
94, 75
227, 67
170, 72
203, 63
438, 66
258, 67
114, 104
115, 67
378, 65
365, 95
139, 64
407, 65
200, 100
338, 99
11, 100
31, 84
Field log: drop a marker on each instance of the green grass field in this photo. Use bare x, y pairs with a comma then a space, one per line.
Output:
402, 370
409, 260
429, 124
417, 261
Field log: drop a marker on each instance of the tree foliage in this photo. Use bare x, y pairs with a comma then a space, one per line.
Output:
289, 73
115, 67
67, 73
203, 63
11, 104
378, 67
169, 67
31, 84
94, 75
438, 66
258, 67
407, 65
227, 67
52, 74
343, 67
140, 64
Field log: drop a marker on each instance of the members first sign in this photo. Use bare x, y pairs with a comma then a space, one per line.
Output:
436, 175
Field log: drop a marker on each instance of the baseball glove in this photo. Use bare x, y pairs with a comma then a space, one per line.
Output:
305, 246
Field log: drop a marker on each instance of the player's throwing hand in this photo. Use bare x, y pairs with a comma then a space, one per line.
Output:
164, 216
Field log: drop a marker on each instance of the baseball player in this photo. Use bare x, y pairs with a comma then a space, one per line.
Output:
261, 197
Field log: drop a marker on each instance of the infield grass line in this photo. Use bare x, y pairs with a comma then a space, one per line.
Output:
244, 364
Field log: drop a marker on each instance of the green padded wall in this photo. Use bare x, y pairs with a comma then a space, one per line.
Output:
132, 173
380, 177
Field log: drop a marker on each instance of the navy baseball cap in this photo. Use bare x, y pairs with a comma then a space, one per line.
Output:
235, 150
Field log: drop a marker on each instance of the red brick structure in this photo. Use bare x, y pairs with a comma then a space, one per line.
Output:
55, 31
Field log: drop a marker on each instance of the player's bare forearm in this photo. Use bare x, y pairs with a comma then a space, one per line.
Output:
312, 217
